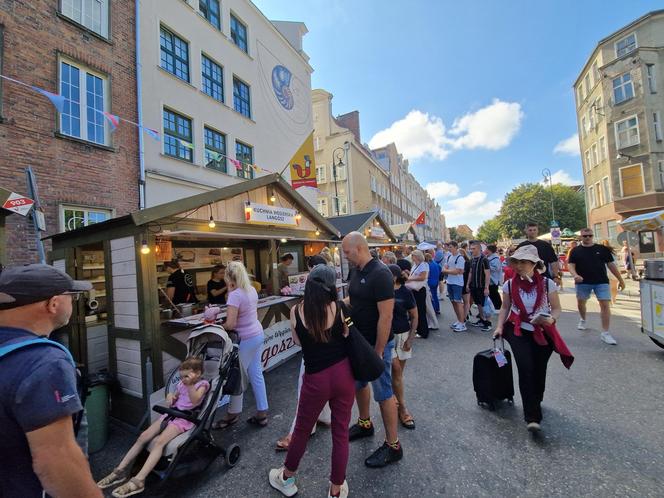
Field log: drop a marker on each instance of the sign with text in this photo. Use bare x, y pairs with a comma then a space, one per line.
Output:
263, 214
555, 236
302, 165
377, 233
18, 203
278, 345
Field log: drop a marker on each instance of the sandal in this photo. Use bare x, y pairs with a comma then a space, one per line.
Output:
132, 487
407, 421
259, 421
225, 422
115, 478
283, 443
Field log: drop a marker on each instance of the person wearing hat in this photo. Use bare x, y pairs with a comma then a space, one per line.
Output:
317, 326
527, 319
38, 394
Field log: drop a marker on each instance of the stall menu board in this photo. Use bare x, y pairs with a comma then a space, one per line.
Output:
298, 282
198, 257
658, 310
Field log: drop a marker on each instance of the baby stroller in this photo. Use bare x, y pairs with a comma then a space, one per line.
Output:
194, 450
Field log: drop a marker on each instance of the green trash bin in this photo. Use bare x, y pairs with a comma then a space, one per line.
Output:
96, 407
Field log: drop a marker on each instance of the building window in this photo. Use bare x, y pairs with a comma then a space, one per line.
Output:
602, 149
631, 180
591, 197
660, 169
178, 140
341, 172
215, 150
657, 125
372, 183
343, 205
591, 119
213, 79
652, 81
606, 190
627, 132
210, 10
595, 154
245, 154
586, 81
322, 207
86, 100
321, 173
626, 45
612, 231
597, 229
241, 97
174, 54
584, 126
579, 95
93, 14
598, 194
595, 71
623, 89
239, 33
73, 217
588, 161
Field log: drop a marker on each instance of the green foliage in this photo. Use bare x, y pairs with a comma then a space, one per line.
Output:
490, 231
454, 235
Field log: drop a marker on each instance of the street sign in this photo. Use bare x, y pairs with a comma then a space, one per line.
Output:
554, 224
18, 204
555, 236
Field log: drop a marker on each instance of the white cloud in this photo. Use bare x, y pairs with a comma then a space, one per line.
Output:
562, 176
471, 210
438, 190
569, 146
493, 127
421, 134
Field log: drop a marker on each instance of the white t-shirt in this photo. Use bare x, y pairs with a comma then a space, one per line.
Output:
423, 267
529, 299
457, 262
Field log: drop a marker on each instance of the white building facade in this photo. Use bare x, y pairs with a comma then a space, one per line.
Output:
227, 90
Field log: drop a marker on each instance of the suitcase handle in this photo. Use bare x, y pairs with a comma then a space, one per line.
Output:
502, 343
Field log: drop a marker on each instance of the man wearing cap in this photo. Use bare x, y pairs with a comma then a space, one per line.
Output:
38, 394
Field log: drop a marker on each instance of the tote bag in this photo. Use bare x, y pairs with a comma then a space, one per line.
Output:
418, 284
365, 363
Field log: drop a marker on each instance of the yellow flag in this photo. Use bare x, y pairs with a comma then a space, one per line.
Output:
302, 165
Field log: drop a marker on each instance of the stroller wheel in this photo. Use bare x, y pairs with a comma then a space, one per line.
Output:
232, 455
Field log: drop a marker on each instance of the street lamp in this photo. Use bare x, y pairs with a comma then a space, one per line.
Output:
337, 155
546, 172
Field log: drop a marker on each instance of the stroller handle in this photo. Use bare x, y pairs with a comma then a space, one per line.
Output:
188, 415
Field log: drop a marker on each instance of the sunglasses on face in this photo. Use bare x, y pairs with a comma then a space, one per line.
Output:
587, 236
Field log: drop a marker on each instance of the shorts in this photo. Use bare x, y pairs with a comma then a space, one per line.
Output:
180, 423
398, 352
477, 293
601, 291
382, 386
455, 292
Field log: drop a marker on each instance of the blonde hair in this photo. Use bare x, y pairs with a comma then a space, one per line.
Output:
237, 274
418, 254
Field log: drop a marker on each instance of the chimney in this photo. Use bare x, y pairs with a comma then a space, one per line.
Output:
351, 121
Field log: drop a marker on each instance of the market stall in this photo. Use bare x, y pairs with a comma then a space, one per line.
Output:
406, 234
130, 327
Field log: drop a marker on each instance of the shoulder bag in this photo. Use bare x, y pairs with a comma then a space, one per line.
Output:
367, 366
416, 285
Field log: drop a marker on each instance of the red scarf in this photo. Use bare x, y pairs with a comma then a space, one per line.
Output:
541, 332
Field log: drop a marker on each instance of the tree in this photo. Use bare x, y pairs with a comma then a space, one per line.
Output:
454, 235
531, 203
491, 230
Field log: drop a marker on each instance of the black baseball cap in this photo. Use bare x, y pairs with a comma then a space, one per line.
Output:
22, 285
325, 276
396, 270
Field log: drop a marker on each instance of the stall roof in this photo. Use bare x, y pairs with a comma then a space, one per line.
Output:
178, 206
402, 229
357, 223
647, 221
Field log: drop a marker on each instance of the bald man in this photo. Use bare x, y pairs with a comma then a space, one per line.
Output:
371, 291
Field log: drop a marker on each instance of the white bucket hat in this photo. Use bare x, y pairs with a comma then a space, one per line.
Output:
526, 253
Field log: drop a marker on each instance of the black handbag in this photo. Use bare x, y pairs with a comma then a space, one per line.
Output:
367, 366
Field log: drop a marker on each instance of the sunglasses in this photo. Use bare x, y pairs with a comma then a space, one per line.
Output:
587, 236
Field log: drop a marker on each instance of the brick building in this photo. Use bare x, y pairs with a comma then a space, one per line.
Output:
84, 172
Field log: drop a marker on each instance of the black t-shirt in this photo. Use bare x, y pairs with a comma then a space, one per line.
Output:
367, 287
37, 387
212, 285
591, 263
321, 355
545, 252
403, 301
184, 287
478, 266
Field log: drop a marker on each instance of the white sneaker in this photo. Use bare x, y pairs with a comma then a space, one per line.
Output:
533, 427
343, 492
455, 324
608, 338
581, 325
287, 487
460, 327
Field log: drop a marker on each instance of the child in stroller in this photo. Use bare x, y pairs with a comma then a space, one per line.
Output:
190, 393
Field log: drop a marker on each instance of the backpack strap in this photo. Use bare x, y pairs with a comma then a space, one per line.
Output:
5, 350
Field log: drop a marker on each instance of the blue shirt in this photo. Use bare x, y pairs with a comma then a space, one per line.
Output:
37, 387
439, 256
434, 273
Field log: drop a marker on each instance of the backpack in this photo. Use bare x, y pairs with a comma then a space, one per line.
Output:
81, 388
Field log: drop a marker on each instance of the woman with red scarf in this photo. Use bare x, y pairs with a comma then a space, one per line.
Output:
527, 320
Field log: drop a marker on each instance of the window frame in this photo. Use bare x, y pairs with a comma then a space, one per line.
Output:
176, 58
597, 230
322, 201
207, 9
104, 23
657, 125
221, 165
623, 85
603, 153
588, 160
651, 77
643, 180
246, 171
86, 209
321, 178
636, 45
84, 71
591, 197
177, 136
236, 97
595, 154
207, 79
584, 126
612, 235
606, 190
617, 132
598, 194
237, 40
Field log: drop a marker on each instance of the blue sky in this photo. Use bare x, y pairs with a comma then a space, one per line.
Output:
476, 94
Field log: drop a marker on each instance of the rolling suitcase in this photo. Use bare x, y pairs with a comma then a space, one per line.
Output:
493, 383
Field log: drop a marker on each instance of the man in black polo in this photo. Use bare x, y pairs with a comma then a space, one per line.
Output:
371, 292
180, 286
545, 252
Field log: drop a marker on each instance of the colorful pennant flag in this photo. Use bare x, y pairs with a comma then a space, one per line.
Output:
57, 100
153, 133
420, 219
236, 163
188, 145
113, 120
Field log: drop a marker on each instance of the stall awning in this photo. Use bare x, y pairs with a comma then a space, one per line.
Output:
646, 221
403, 230
365, 223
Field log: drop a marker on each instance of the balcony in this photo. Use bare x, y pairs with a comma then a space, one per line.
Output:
640, 203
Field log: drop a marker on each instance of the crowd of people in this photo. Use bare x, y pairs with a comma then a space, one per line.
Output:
393, 300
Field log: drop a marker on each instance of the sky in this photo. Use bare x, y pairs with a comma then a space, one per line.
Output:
477, 95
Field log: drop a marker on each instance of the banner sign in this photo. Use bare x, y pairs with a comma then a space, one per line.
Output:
263, 214
555, 236
377, 233
278, 345
17, 203
303, 166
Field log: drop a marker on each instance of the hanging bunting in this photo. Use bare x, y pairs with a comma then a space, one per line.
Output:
57, 100
187, 145
153, 133
113, 120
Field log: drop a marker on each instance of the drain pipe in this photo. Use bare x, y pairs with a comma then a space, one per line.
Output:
139, 104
